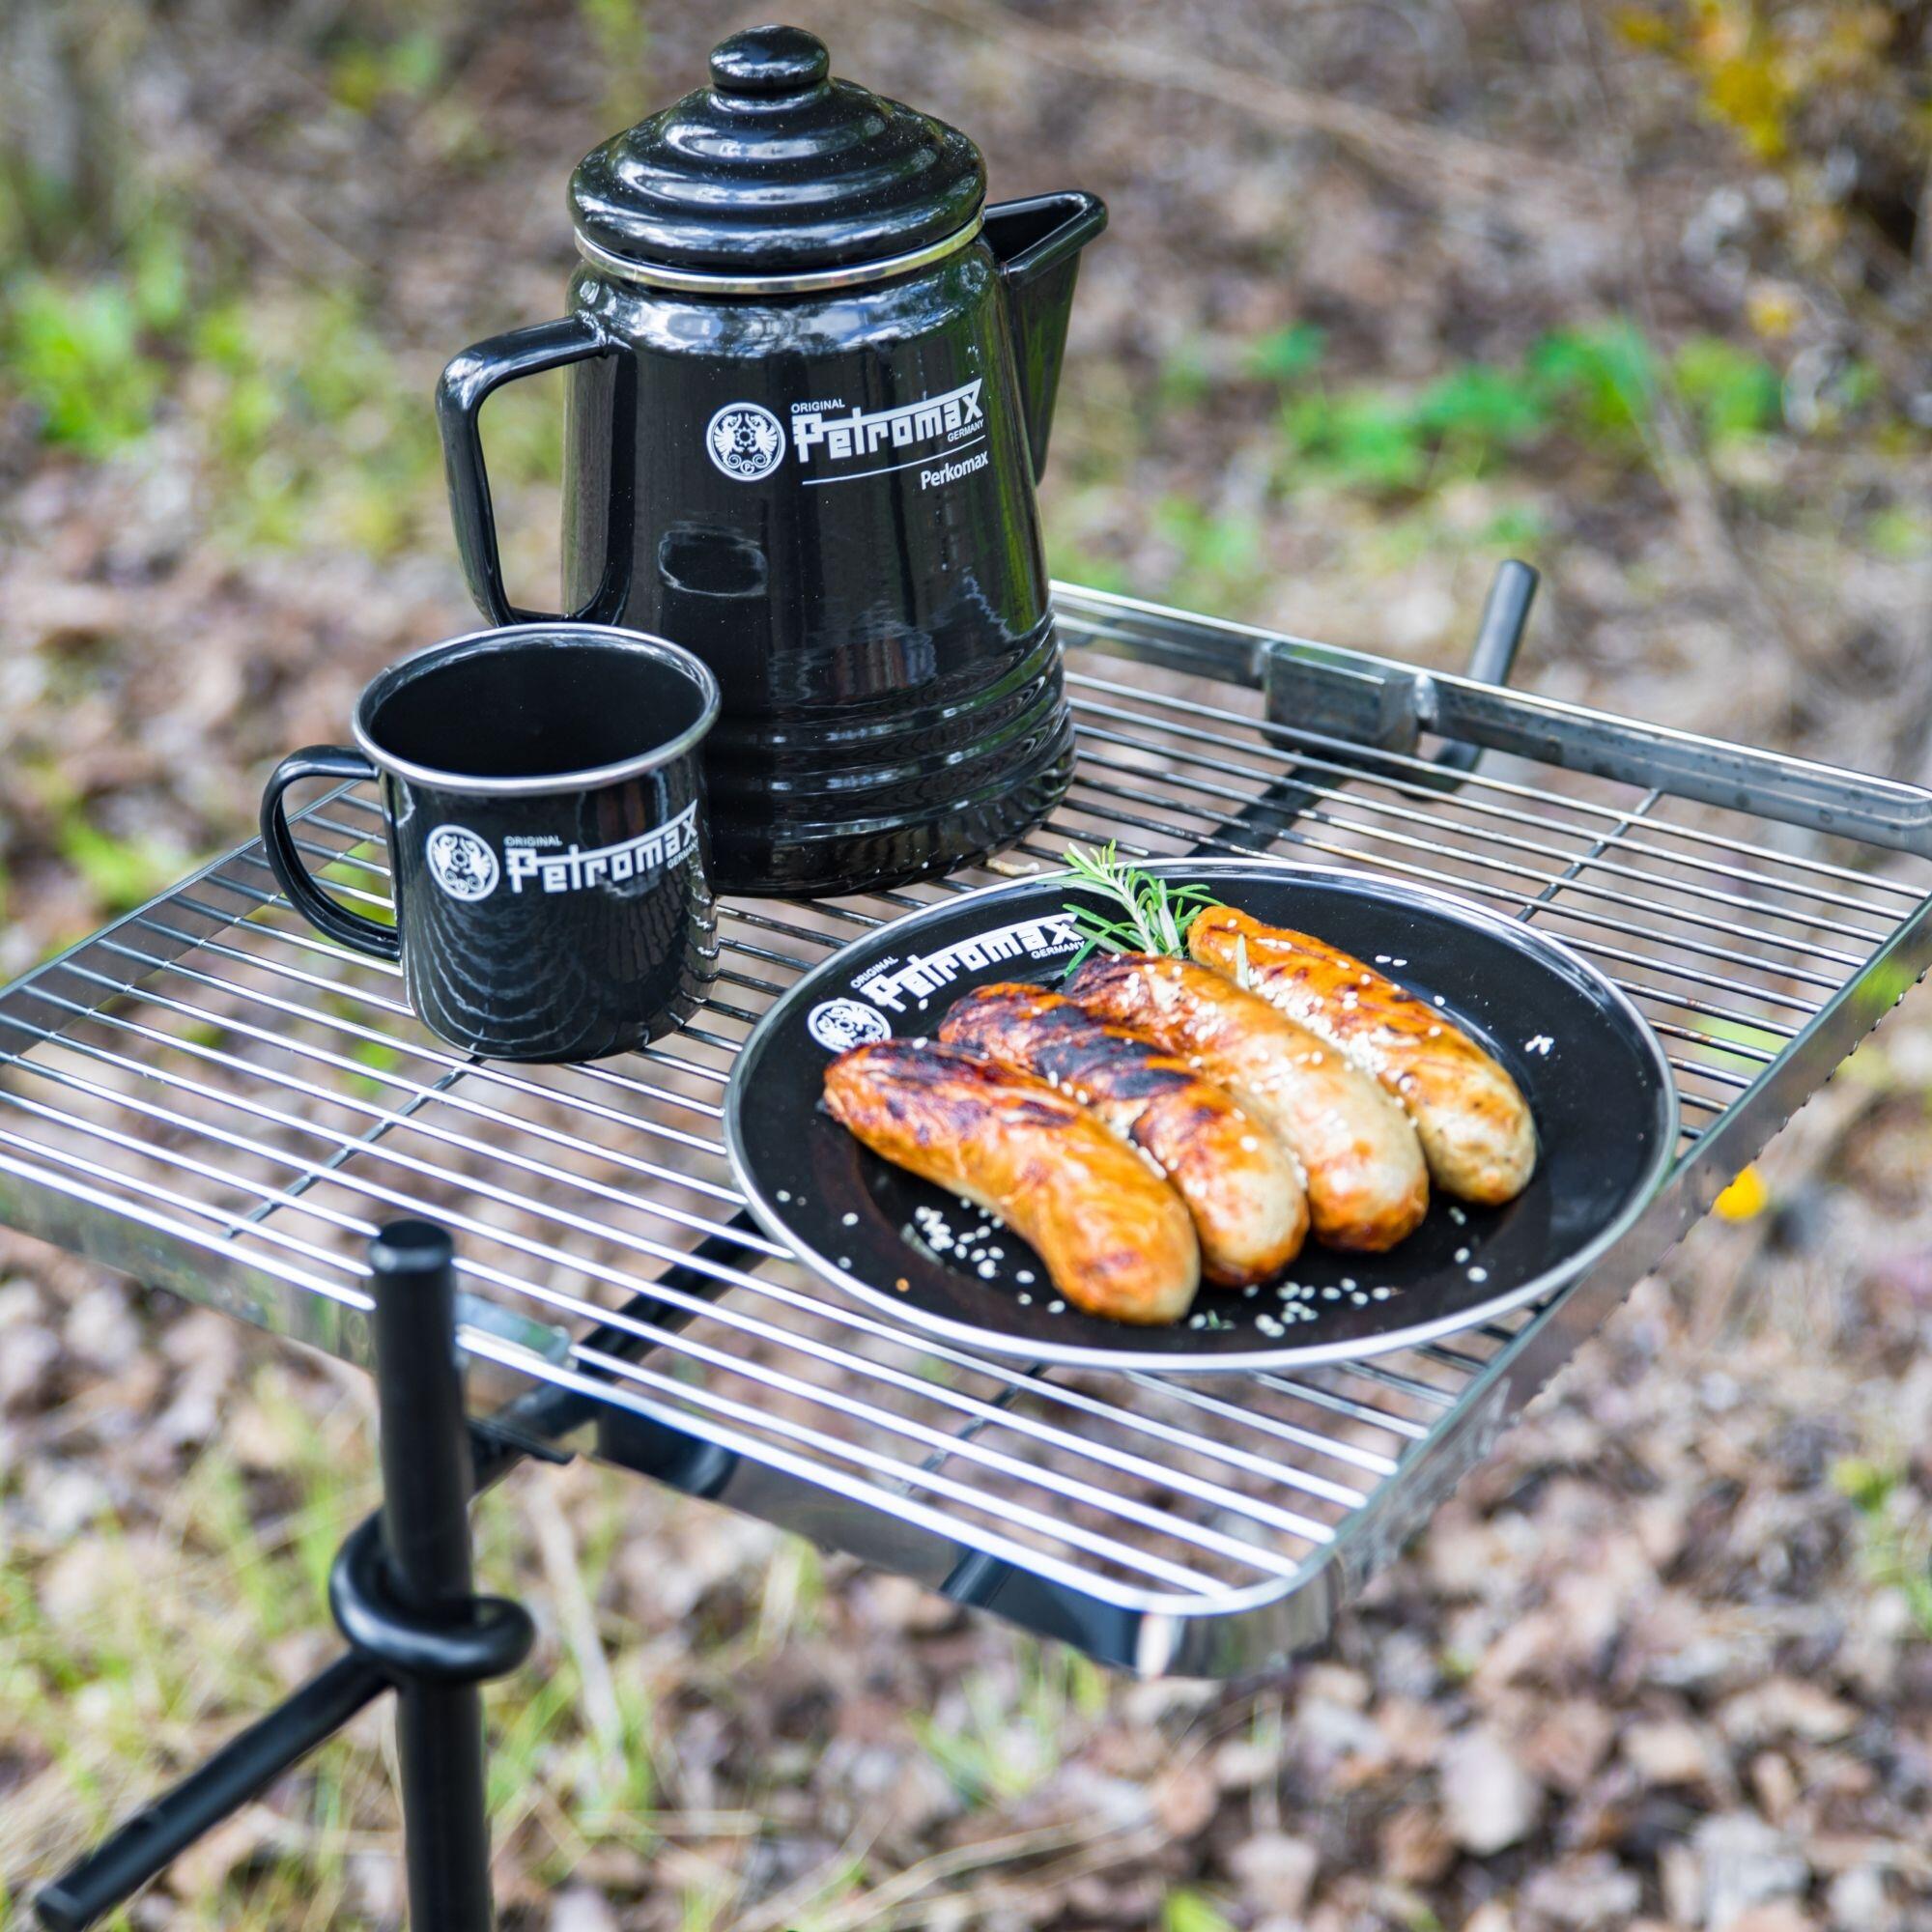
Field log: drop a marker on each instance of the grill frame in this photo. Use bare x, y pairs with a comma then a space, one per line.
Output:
1193, 1526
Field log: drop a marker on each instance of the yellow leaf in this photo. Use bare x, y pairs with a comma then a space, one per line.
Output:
1772, 311
1746, 1198
1643, 28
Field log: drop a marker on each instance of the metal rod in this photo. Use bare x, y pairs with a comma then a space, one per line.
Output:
1291, 1521
852, 1369
1437, 849
1430, 875
1298, 736
427, 1480
1536, 814
245, 1767
1440, 818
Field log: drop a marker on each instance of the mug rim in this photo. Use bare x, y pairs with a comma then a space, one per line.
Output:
509, 637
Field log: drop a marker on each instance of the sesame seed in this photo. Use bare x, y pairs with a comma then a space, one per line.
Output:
848, 1220
1023, 1274
1055, 1308
1478, 1274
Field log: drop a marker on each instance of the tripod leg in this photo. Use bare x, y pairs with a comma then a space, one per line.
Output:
153, 1837
400, 1592
427, 1484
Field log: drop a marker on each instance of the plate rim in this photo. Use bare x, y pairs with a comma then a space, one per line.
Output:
1310, 1355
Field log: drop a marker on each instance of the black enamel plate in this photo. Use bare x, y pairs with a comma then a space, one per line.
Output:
1594, 1073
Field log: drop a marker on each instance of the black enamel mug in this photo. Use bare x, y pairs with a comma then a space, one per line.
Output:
545, 807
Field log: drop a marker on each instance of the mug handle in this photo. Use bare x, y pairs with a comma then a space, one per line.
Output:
467, 382
326, 915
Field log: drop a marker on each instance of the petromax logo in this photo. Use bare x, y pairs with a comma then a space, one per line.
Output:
890, 983
838, 1025
945, 436
464, 865
837, 446
460, 863
744, 440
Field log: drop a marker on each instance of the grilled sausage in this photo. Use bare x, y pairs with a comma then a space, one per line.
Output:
1474, 1123
1114, 1238
1367, 1184
1239, 1184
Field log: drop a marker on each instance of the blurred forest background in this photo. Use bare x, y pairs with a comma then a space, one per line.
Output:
1393, 289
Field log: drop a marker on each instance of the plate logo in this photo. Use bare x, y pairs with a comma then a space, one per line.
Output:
744, 440
889, 987
838, 1024
461, 863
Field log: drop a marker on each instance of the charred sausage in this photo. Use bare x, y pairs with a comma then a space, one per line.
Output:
1367, 1184
1474, 1123
1115, 1238
1241, 1186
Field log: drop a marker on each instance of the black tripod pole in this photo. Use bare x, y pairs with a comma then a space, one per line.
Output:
426, 1491
401, 1591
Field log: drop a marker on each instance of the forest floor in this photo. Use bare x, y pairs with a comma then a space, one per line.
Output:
1390, 292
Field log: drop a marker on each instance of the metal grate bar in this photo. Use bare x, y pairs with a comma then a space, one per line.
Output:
1280, 1519
1380, 758
215, 1094
1382, 768
1438, 849
1314, 1485
1405, 814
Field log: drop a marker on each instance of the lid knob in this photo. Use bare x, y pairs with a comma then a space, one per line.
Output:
764, 61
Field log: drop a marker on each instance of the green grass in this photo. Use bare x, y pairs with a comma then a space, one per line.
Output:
1188, 1911
1894, 1533
1472, 462
157, 1643
132, 1651
1008, 1738
1595, 387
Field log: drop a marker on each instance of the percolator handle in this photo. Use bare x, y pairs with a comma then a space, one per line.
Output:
468, 380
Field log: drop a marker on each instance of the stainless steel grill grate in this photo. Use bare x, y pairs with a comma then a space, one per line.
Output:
211, 1097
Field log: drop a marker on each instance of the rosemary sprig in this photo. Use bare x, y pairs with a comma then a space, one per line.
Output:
1158, 914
